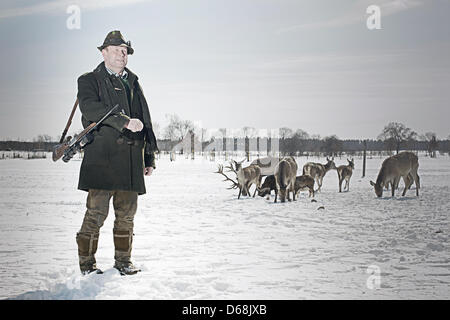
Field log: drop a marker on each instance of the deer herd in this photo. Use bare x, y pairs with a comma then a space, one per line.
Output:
281, 176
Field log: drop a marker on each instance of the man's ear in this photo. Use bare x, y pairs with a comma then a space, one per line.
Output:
104, 51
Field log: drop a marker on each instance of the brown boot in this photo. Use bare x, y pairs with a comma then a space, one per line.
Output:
123, 240
87, 247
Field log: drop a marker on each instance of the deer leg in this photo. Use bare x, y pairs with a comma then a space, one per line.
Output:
240, 190
276, 195
393, 188
417, 182
406, 181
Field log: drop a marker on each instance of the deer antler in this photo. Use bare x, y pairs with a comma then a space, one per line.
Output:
220, 171
231, 168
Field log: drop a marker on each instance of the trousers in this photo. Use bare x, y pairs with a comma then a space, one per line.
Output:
97, 204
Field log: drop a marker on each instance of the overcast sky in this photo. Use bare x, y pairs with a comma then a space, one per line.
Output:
312, 65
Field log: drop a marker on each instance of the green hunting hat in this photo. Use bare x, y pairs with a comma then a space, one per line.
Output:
115, 38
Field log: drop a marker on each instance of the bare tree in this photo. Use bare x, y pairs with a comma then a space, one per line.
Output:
156, 129
285, 133
43, 138
177, 128
301, 134
395, 134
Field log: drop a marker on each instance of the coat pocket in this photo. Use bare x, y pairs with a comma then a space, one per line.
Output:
97, 152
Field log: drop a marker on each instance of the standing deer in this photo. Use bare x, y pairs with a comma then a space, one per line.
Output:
285, 174
405, 165
246, 177
317, 170
345, 173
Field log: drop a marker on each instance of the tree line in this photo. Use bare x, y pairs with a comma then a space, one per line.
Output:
394, 136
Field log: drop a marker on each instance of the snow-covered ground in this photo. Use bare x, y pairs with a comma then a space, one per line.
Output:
195, 240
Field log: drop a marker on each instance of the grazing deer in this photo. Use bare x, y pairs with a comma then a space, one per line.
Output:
246, 177
285, 174
345, 173
317, 170
405, 165
268, 185
304, 182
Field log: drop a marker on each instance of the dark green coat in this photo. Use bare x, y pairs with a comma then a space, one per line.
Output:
116, 158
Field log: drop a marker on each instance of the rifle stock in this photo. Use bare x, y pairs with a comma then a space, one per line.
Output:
75, 144
58, 150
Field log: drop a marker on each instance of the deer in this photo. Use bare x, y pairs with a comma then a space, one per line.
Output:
317, 170
246, 177
403, 165
304, 182
285, 174
266, 164
345, 173
268, 185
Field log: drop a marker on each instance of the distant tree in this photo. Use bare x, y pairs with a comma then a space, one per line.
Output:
43, 138
430, 138
395, 134
285, 132
156, 129
298, 141
332, 145
177, 128
301, 134
284, 144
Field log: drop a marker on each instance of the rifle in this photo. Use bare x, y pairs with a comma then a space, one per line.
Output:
69, 148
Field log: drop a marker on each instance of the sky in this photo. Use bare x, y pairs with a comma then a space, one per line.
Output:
310, 65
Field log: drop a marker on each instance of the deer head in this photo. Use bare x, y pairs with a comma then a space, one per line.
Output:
378, 188
330, 163
351, 163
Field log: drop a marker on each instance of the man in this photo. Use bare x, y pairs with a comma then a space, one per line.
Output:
122, 152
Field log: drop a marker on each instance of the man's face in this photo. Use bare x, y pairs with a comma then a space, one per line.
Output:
115, 57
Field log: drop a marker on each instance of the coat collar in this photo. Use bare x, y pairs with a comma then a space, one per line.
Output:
101, 69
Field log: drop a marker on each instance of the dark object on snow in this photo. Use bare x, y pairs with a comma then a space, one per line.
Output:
321, 208
313, 200
267, 187
126, 269
304, 182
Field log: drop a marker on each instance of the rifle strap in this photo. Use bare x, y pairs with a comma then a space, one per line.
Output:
69, 122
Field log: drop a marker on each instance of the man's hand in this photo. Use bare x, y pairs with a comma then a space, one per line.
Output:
134, 125
148, 171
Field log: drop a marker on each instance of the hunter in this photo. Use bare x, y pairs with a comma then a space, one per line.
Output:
121, 154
